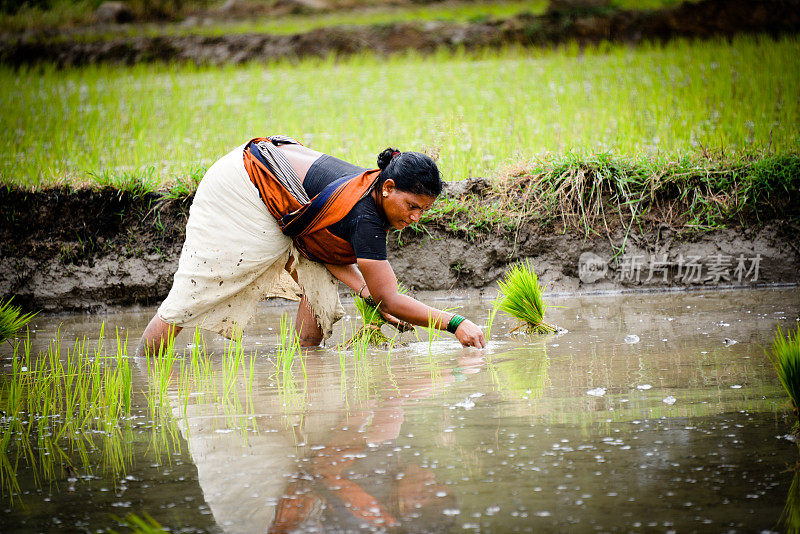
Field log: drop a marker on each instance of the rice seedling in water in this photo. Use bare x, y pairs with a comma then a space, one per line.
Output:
56, 405
370, 333
160, 369
196, 379
289, 349
785, 357
12, 320
490, 322
521, 298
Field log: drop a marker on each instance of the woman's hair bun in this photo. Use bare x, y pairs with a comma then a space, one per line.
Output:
385, 157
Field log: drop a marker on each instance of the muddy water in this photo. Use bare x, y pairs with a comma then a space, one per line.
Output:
640, 418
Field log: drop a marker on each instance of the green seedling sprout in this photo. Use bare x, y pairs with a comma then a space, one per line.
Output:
160, 369
521, 298
490, 322
12, 320
288, 349
65, 411
370, 333
785, 357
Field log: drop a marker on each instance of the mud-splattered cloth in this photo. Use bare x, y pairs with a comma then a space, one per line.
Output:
234, 256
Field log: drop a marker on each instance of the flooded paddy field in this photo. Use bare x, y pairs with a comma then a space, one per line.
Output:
652, 412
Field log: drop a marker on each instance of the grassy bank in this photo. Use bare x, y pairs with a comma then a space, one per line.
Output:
67, 14
478, 112
600, 194
214, 24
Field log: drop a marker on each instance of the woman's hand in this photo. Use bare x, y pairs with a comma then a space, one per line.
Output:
470, 335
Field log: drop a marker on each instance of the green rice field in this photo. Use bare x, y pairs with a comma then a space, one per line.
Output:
78, 14
290, 24
477, 111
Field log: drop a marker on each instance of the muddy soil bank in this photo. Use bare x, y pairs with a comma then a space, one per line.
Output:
702, 19
87, 250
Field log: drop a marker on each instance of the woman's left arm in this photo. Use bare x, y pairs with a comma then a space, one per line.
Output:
349, 275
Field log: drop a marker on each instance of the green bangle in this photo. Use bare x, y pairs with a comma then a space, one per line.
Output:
452, 326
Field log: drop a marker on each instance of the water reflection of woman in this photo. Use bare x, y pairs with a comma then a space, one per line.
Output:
360, 479
250, 473
353, 483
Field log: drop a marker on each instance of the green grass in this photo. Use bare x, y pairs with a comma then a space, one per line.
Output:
479, 111
294, 24
12, 320
56, 15
785, 356
594, 194
77, 14
520, 296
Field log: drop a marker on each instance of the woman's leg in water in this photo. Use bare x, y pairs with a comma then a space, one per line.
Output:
306, 326
158, 333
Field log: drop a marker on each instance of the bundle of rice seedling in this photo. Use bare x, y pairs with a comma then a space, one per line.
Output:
11, 321
370, 332
521, 298
785, 357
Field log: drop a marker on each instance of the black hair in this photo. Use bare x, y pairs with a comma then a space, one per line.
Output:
412, 172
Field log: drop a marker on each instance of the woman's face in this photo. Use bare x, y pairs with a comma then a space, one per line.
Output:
401, 208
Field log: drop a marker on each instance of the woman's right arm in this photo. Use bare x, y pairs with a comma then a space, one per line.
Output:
382, 285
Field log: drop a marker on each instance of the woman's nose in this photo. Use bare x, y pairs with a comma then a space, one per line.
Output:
414, 216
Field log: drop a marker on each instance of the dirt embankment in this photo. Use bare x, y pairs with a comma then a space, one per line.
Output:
702, 19
91, 250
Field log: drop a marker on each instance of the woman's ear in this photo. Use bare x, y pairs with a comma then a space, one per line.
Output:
388, 187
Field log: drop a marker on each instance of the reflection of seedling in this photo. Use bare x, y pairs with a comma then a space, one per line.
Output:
139, 525
521, 297
218, 387
525, 376
790, 517
11, 320
370, 333
785, 356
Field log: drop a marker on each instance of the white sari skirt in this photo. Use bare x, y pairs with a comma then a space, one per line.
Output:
234, 256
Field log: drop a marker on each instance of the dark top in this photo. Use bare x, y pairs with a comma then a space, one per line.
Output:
363, 227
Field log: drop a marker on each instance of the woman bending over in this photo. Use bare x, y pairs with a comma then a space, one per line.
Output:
274, 218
